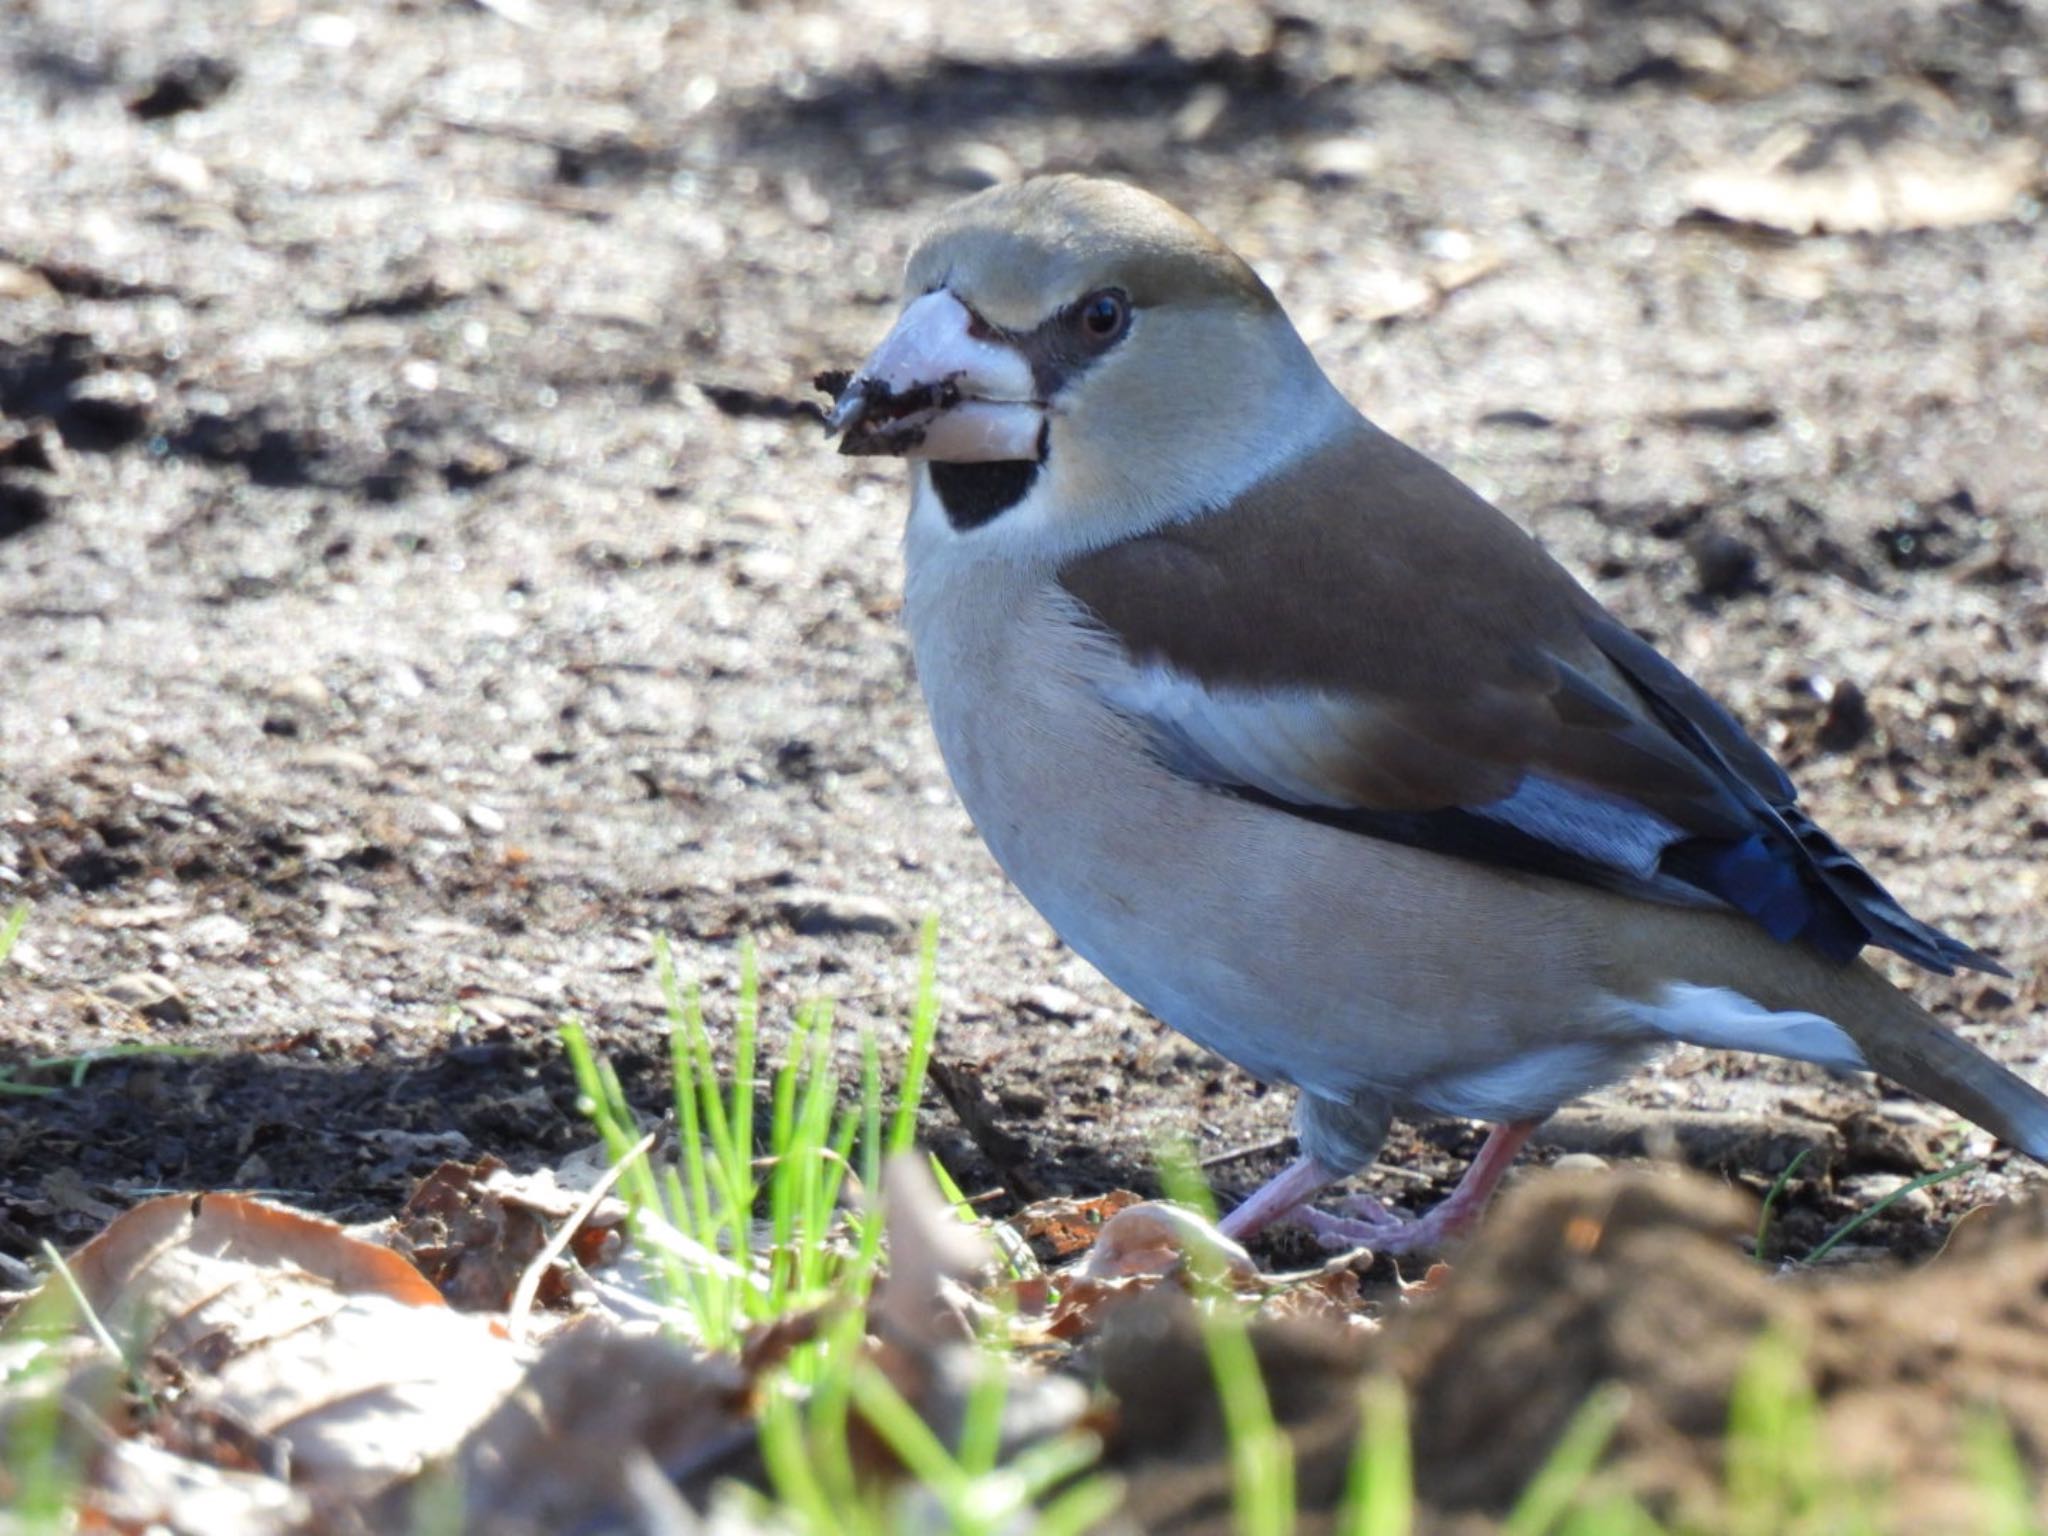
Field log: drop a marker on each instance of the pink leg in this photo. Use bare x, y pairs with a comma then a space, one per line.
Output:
1287, 1197
1279, 1197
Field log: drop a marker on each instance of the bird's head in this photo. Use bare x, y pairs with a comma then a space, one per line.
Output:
1077, 360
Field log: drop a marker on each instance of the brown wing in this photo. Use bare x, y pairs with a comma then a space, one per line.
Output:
1458, 651
1421, 670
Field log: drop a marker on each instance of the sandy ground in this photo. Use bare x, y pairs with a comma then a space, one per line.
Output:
394, 637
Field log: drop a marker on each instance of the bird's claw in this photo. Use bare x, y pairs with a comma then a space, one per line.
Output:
1368, 1224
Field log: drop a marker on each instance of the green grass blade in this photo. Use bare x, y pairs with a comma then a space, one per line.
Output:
1614, 1513
843, 1348
2005, 1496
439, 1505
1018, 1261
10, 930
1182, 1181
817, 1159
1086, 1506
1773, 1451
41, 1467
871, 1147
707, 1293
787, 1456
732, 1177
913, 1443
924, 1024
1380, 1497
695, 1215
981, 1422
78, 1066
784, 1172
1043, 1466
1261, 1456
1560, 1483
839, 1166
1771, 1198
746, 1042
590, 1089
603, 1102
1878, 1207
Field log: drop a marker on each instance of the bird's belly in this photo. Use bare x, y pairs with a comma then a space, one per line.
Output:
1103, 864
1304, 954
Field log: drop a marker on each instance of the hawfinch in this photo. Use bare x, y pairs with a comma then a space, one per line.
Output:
1311, 750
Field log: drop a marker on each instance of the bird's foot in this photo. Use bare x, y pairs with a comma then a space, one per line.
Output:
1362, 1222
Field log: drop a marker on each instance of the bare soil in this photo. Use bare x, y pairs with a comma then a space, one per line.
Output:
395, 635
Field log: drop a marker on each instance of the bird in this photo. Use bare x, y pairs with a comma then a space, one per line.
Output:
1314, 752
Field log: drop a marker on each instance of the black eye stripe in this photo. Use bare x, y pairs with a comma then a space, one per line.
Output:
1062, 347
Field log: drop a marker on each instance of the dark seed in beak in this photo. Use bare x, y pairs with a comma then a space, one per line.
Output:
874, 418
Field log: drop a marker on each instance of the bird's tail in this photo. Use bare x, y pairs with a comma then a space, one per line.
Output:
1903, 1041
1724, 982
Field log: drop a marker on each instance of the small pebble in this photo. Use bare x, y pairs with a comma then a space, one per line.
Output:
1335, 161
440, 819
185, 85
1581, 1162
149, 995
828, 912
974, 165
215, 934
339, 762
1724, 565
301, 688
1053, 1002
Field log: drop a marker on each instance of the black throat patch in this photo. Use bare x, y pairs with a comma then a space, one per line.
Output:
973, 494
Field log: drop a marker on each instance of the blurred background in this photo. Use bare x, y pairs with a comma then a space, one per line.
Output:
395, 632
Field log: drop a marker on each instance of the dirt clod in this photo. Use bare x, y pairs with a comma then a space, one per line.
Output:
1642, 1280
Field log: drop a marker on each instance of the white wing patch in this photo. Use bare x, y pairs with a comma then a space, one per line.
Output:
1267, 741
1285, 743
1723, 1019
1584, 821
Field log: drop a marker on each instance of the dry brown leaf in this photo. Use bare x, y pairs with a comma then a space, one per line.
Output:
288, 1329
1155, 1237
554, 1455
1330, 1295
1066, 1227
1433, 1280
1084, 1304
932, 1254
137, 1486
162, 1241
473, 1228
1029, 1296
923, 1339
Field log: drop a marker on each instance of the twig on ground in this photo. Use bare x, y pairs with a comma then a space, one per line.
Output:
1237, 1154
530, 1277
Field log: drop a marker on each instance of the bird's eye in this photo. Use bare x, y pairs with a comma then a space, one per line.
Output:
1104, 316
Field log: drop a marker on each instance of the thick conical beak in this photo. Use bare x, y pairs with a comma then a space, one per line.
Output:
936, 390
